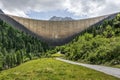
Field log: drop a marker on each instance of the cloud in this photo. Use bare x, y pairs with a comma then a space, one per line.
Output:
82, 8
91, 8
22, 7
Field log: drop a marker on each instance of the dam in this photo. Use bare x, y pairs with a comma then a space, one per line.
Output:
53, 32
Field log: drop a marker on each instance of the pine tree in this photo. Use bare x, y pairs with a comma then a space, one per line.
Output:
18, 55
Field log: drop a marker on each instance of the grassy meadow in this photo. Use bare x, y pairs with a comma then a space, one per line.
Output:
51, 69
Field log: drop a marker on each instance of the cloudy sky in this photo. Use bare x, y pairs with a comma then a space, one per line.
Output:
44, 9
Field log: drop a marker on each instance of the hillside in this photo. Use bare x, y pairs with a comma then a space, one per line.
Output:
17, 47
97, 45
1, 12
51, 69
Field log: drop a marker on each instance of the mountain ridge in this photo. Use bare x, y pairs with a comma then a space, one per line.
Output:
1, 12
55, 18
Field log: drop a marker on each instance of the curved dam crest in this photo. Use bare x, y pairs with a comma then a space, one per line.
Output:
53, 32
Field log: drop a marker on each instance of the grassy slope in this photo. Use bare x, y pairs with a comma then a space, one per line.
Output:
51, 69
117, 66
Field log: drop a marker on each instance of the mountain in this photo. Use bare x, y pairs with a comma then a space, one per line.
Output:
55, 18
1, 12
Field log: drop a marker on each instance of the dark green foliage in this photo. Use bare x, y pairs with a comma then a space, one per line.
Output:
97, 45
17, 47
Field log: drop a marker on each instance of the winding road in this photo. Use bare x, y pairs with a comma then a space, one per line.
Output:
107, 70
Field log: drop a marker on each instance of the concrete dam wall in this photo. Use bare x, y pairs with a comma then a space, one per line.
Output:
53, 32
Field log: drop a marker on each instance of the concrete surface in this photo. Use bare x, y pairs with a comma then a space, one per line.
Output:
53, 32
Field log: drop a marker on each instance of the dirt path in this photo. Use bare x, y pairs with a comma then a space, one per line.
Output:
107, 70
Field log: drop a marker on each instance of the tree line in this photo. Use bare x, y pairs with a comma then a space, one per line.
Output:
97, 45
17, 47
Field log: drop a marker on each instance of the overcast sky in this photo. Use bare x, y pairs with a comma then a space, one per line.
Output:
44, 9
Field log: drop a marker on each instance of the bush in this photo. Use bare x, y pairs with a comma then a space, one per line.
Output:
98, 45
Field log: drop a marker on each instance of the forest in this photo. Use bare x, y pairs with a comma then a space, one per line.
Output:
96, 45
17, 47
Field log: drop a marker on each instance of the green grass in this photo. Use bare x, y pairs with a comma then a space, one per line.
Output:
57, 55
51, 69
116, 66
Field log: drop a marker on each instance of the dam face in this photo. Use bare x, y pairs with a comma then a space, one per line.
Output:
52, 32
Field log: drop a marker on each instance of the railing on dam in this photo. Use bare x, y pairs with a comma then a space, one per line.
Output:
52, 32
